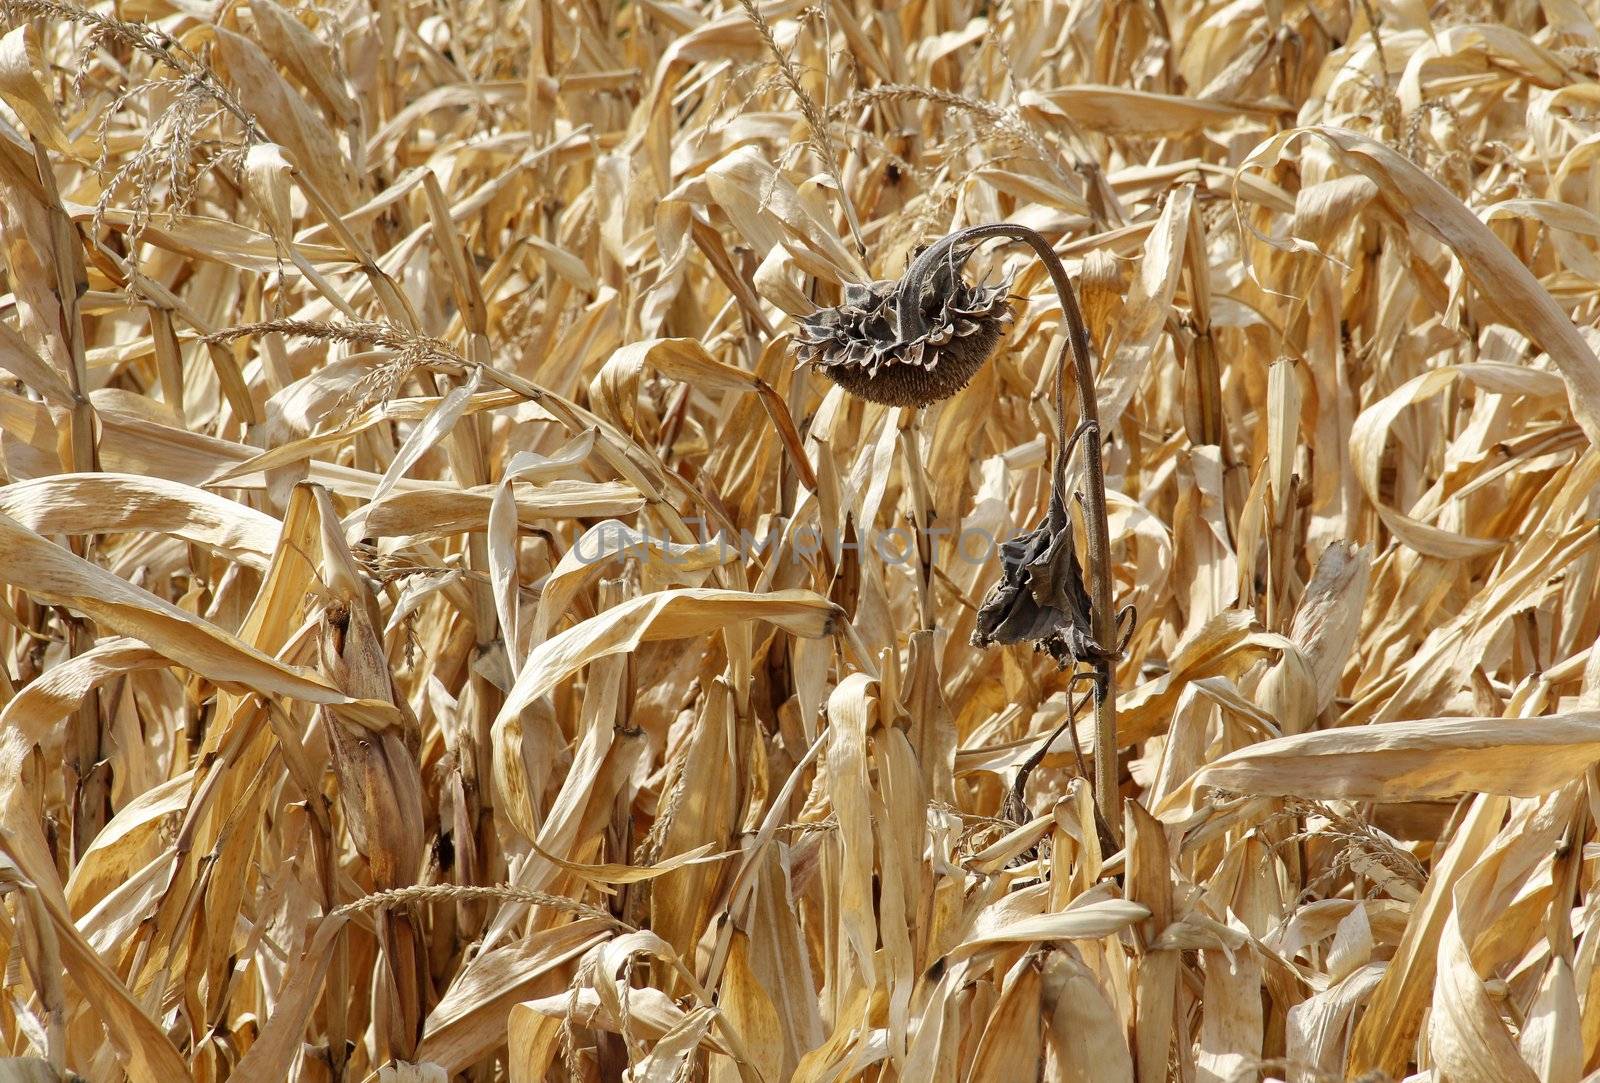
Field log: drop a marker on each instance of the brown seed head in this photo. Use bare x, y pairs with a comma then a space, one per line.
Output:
913, 341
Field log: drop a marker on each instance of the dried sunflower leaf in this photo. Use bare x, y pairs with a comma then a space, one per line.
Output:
1040, 596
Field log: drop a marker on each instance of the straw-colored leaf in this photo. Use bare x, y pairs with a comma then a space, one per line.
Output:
1409, 761
52, 574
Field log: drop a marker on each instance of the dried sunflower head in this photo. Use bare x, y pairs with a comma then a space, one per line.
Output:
913, 341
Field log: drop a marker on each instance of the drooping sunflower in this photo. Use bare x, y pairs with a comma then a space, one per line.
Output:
911, 341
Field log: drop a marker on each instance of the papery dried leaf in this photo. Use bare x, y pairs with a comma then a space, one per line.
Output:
1040, 597
1402, 761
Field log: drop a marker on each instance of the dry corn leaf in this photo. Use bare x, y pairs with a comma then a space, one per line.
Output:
54, 575
1409, 761
106, 503
671, 614
1504, 280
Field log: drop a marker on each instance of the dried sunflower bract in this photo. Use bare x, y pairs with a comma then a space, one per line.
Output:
913, 341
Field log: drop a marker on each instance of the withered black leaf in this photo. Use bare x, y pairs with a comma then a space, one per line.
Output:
1040, 596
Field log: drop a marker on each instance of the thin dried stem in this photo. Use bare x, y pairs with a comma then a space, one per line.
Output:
1004, 121
405, 896
816, 120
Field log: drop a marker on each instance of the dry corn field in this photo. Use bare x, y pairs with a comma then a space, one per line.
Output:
534, 548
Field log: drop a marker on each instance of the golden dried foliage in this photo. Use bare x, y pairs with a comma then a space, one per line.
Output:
445, 636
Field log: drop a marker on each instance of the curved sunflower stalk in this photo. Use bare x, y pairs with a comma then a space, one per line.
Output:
921, 338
